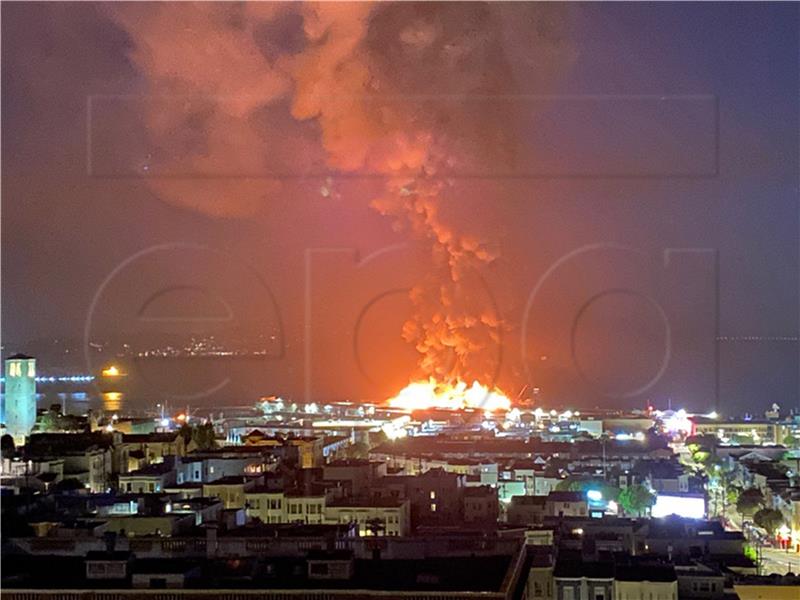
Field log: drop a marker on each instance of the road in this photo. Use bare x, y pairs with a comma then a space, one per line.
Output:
779, 561
773, 560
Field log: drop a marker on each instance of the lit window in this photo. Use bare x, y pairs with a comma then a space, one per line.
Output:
433, 495
433, 507
31, 370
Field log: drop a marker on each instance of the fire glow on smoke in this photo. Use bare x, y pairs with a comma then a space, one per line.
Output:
420, 395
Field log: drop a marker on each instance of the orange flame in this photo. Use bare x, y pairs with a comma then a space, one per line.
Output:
420, 395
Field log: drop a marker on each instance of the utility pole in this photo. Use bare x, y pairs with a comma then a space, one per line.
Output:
603, 444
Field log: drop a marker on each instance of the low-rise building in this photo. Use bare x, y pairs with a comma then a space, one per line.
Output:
566, 504
526, 510
154, 446
305, 508
480, 505
373, 516
577, 580
309, 448
699, 582
153, 478
231, 490
210, 465
265, 504
653, 582
744, 431
360, 473
539, 585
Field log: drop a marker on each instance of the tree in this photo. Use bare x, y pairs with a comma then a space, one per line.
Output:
376, 438
749, 501
357, 450
202, 435
579, 484
792, 441
7, 446
636, 499
701, 457
721, 478
186, 432
768, 519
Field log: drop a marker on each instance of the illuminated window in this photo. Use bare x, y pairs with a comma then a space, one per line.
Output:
31, 370
433, 495
433, 507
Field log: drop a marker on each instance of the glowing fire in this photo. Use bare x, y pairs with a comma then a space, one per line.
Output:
420, 395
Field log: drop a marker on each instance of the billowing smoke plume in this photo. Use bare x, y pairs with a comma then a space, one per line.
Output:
413, 93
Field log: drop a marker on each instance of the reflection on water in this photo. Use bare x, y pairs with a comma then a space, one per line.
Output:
141, 388
112, 401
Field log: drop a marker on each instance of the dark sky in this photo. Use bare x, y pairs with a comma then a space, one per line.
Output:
650, 206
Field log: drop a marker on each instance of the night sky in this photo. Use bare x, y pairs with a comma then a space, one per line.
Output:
618, 184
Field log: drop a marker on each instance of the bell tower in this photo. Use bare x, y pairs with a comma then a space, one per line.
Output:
20, 396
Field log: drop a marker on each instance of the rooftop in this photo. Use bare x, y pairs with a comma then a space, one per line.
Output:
154, 470
152, 438
528, 500
559, 496
366, 502
645, 572
576, 569
231, 480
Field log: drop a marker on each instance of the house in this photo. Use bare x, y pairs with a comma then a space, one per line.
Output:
546, 481
769, 477
574, 579
435, 496
663, 476
360, 473
154, 446
205, 510
304, 508
566, 504
87, 457
153, 478
539, 585
231, 489
526, 510
480, 505
265, 504
166, 525
207, 466
653, 582
697, 581
310, 449
674, 537
374, 516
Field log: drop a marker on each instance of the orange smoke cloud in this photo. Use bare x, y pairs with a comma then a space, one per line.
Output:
403, 91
